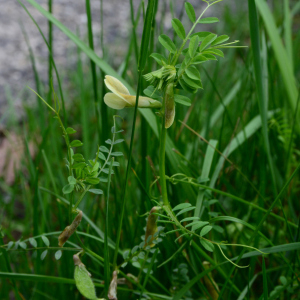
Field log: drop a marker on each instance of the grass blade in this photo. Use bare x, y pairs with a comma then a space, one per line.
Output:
262, 100
93, 66
281, 55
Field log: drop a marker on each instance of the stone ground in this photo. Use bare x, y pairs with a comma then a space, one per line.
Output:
15, 66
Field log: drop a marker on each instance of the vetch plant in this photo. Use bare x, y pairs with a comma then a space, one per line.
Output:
199, 236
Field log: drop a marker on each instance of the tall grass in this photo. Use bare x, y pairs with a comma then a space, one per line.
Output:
237, 146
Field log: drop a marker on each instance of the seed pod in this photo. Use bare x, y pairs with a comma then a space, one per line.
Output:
69, 230
112, 292
169, 105
151, 226
210, 284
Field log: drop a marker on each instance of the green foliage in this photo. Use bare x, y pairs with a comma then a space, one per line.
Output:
220, 191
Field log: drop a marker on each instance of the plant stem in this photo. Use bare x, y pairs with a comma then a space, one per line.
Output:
176, 56
162, 155
127, 173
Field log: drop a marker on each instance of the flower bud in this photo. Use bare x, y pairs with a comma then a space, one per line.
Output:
151, 226
160, 78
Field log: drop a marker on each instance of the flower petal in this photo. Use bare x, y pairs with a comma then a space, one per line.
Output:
144, 102
114, 101
116, 86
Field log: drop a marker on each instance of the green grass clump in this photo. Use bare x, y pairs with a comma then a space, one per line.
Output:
197, 201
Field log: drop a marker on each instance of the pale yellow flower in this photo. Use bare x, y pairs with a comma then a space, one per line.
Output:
120, 96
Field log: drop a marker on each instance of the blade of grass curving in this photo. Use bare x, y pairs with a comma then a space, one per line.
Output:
260, 225
265, 280
209, 155
262, 101
221, 108
270, 250
106, 251
52, 60
253, 126
93, 66
220, 98
287, 27
247, 288
142, 62
281, 55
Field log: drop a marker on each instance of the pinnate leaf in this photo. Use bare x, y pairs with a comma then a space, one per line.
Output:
167, 43
182, 100
70, 130
220, 39
96, 191
103, 149
205, 230
209, 20
185, 210
214, 51
202, 35
194, 42
76, 143
45, 240
207, 245
161, 60
179, 29
58, 254
67, 189
33, 242
181, 206
190, 11
207, 41
193, 73
43, 255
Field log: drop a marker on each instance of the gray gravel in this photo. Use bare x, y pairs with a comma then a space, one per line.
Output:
15, 66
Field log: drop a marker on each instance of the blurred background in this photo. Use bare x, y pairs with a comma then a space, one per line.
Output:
15, 65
